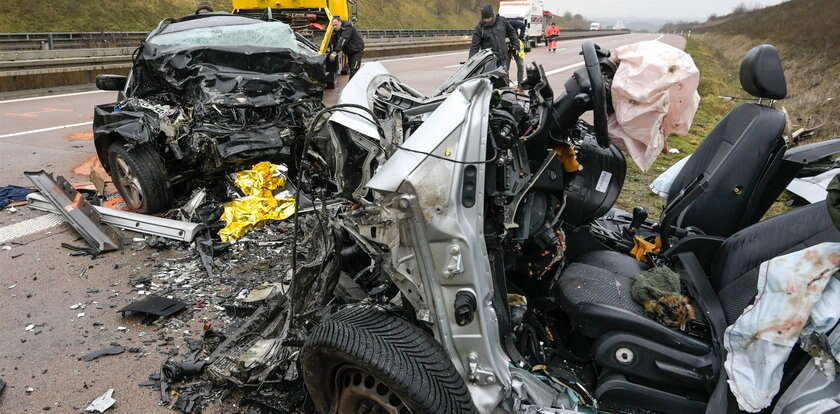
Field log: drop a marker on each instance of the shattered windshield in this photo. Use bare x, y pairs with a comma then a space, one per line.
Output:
262, 34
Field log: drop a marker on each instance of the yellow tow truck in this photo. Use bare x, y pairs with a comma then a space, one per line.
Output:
310, 18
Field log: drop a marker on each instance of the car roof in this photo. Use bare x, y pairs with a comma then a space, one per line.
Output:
207, 21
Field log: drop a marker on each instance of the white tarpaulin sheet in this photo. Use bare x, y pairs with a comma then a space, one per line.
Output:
654, 93
797, 295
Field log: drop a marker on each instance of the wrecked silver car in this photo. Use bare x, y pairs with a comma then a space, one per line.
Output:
207, 95
460, 253
480, 265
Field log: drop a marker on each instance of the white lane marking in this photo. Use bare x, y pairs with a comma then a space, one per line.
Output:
28, 227
35, 131
420, 57
452, 66
35, 98
556, 71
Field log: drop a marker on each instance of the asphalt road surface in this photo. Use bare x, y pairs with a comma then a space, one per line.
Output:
39, 281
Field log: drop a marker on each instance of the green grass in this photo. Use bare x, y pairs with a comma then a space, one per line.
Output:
716, 79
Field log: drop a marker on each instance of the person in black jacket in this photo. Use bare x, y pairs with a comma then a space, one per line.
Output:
495, 33
349, 41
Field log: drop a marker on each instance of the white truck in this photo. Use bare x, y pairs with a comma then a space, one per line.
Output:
529, 11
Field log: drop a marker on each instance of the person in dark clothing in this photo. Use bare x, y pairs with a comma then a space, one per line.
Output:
519, 27
349, 41
495, 33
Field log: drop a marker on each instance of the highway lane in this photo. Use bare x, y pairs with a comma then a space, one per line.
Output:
47, 281
52, 131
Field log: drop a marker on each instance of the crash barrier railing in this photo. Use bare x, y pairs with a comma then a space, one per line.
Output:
84, 40
36, 69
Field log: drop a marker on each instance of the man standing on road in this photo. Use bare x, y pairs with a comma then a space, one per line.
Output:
518, 50
349, 41
493, 32
551, 37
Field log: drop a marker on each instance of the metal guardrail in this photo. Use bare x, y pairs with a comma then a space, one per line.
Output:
84, 40
35, 69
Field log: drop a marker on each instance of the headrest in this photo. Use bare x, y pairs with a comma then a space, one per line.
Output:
762, 74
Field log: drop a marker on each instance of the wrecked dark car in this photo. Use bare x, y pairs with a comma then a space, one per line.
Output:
207, 95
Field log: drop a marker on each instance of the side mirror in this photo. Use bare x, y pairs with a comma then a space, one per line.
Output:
111, 82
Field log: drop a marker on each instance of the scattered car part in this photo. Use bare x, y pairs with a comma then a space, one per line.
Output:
78, 212
263, 292
102, 403
155, 305
140, 176
813, 189
404, 368
114, 349
126, 220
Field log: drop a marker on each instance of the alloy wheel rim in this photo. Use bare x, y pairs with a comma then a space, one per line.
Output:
361, 393
133, 191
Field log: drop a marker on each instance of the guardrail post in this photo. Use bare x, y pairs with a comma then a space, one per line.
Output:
50, 41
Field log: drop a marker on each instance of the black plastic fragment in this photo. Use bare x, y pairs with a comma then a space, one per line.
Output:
110, 350
155, 305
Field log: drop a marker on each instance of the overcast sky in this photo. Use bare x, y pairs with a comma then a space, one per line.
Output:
657, 9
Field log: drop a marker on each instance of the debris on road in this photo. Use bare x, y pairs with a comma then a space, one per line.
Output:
156, 306
126, 220
114, 349
102, 403
76, 210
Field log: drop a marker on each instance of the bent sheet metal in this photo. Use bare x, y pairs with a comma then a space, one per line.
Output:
73, 206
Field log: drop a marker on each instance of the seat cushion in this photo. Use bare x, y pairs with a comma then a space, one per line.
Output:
584, 283
599, 300
733, 158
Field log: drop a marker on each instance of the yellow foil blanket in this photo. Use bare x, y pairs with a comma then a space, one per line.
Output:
260, 205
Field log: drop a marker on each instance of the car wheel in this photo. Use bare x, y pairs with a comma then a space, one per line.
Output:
366, 360
140, 177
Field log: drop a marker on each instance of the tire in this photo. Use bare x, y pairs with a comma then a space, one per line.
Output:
363, 359
140, 177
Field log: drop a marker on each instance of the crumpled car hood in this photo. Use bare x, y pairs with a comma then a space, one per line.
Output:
208, 108
249, 73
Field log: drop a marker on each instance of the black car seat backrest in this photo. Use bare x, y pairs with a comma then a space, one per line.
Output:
738, 154
734, 271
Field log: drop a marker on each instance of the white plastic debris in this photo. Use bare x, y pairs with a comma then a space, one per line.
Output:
122, 328
813, 189
797, 296
102, 403
76, 306
29, 327
29, 390
80, 315
661, 186
12, 286
654, 93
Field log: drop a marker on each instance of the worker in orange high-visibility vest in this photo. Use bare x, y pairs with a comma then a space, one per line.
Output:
551, 37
